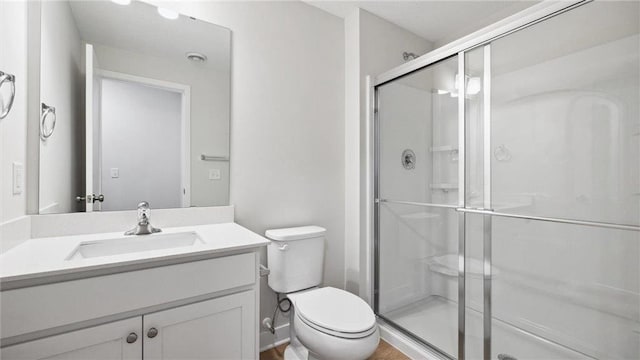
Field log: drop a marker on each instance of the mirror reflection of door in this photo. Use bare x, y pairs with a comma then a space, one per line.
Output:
140, 143
175, 73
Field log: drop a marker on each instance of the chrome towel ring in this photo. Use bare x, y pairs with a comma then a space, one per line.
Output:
47, 127
11, 80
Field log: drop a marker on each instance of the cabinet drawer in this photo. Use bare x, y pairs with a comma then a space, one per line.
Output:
42, 307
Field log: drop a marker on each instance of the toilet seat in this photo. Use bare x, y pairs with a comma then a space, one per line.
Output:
335, 312
339, 334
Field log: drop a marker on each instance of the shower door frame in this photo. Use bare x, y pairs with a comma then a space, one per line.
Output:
459, 48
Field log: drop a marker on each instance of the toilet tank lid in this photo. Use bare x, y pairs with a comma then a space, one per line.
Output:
295, 233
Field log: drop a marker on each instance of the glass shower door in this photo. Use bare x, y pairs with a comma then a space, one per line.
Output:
565, 157
417, 235
548, 227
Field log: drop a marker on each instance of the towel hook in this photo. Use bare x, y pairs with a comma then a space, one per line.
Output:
47, 110
11, 79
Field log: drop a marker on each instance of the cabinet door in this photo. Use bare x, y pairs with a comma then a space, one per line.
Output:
222, 328
108, 341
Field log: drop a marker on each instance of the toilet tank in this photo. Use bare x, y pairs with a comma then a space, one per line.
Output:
295, 258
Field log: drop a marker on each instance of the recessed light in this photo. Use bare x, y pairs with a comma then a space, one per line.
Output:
121, 2
168, 14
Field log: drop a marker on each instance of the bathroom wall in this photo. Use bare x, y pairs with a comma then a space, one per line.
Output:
61, 155
287, 137
378, 46
129, 110
13, 148
210, 98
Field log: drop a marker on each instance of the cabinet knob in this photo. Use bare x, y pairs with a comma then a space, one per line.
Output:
131, 338
153, 332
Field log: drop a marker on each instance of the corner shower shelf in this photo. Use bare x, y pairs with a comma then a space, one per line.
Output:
443, 148
444, 186
447, 264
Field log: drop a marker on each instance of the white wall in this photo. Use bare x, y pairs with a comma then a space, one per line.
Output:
13, 60
287, 137
61, 155
379, 45
141, 137
210, 99
14, 226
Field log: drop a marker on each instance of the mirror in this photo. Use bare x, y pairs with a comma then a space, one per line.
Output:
135, 107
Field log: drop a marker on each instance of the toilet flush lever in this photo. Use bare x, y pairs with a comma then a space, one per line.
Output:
283, 247
264, 271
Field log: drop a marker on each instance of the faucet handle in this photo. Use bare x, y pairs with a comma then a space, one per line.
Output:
143, 205
144, 226
143, 212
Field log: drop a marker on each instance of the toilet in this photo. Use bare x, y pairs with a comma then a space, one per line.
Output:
324, 322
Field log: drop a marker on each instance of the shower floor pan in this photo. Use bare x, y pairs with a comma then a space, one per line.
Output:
435, 320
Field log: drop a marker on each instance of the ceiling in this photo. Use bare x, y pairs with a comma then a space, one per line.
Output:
139, 28
437, 21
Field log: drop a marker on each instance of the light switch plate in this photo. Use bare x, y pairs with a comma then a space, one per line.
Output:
18, 178
214, 174
115, 173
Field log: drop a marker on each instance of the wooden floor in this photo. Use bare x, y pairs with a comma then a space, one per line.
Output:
383, 352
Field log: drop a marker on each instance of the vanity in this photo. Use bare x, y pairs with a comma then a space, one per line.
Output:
187, 292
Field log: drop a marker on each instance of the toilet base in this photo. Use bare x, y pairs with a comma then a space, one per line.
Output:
297, 351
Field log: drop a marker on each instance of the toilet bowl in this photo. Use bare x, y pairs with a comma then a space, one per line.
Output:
331, 323
324, 322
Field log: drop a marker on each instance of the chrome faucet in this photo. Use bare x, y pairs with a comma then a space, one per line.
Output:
144, 225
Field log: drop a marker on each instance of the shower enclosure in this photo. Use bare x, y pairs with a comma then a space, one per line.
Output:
506, 189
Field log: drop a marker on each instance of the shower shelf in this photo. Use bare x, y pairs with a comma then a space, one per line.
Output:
447, 264
443, 148
443, 186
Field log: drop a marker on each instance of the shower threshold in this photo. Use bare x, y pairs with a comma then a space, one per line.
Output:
434, 319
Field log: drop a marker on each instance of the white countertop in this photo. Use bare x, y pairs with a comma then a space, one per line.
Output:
47, 257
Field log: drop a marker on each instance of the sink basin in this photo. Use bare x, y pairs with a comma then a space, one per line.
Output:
134, 244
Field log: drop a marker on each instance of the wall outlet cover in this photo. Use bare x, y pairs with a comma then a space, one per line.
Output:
214, 174
18, 178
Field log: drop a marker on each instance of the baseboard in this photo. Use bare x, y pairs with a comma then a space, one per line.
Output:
269, 340
405, 344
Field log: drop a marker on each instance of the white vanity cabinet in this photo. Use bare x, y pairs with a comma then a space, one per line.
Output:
198, 309
220, 328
